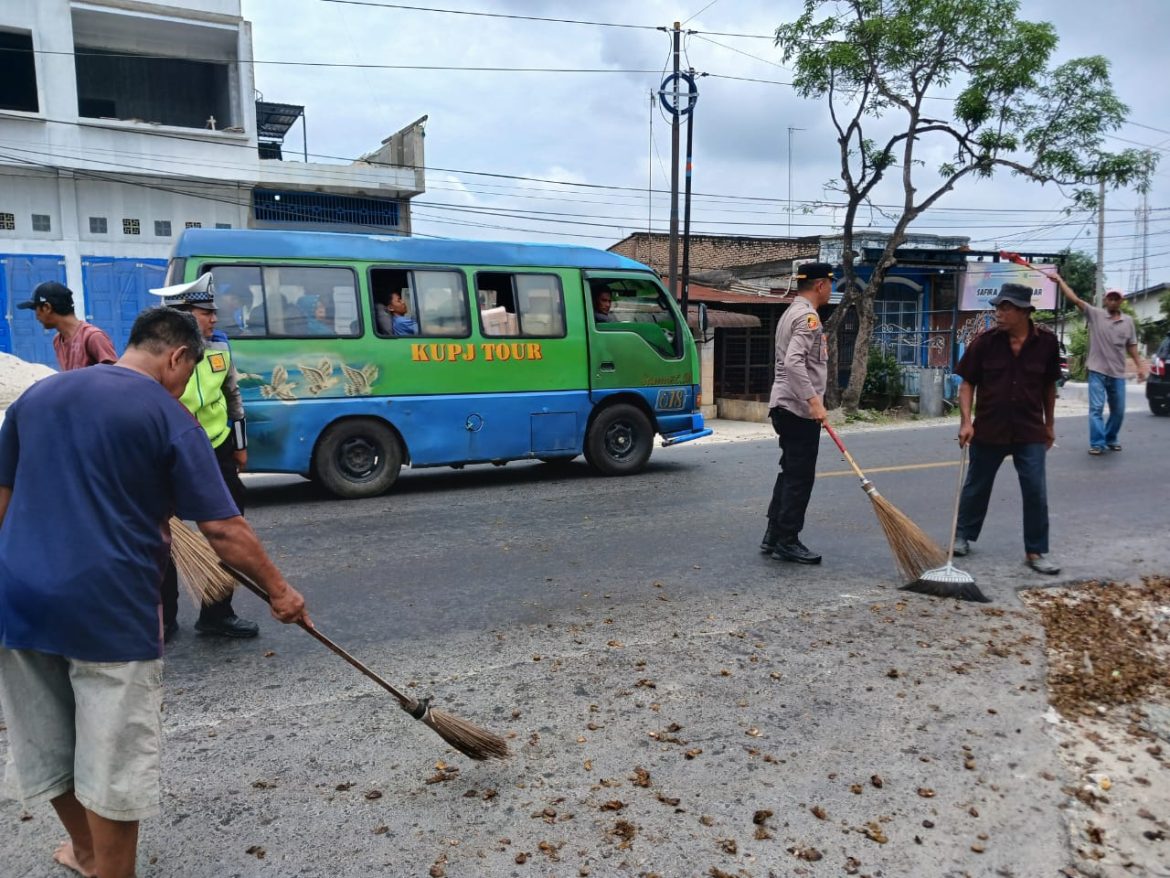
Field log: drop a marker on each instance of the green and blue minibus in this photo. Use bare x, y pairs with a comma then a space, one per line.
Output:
495, 353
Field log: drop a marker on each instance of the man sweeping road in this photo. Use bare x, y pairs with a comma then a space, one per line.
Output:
797, 409
1009, 373
92, 465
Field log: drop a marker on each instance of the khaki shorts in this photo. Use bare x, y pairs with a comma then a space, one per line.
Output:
93, 727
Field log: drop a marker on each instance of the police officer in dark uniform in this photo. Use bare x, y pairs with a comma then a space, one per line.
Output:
797, 407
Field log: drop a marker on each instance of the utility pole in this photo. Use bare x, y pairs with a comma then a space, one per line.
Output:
650, 186
686, 259
673, 274
790, 130
1144, 232
1099, 293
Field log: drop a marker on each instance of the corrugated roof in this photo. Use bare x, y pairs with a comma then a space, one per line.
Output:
717, 319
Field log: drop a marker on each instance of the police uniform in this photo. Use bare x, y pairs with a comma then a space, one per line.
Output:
212, 395
800, 374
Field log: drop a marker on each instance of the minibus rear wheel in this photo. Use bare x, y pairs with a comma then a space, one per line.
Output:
360, 457
619, 441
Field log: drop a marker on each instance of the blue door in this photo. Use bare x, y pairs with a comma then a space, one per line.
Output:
20, 333
117, 289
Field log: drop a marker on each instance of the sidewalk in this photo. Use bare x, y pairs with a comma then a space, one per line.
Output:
1071, 400
1135, 393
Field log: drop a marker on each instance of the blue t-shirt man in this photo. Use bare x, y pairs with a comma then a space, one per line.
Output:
97, 460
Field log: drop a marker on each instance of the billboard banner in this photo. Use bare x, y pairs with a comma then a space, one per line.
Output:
983, 280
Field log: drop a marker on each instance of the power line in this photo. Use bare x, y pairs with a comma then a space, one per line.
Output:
712, 199
331, 64
504, 15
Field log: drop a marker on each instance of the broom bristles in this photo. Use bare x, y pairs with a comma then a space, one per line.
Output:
914, 552
466, 737
206, 580
198, 566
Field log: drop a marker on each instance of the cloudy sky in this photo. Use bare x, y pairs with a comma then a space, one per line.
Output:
569, 156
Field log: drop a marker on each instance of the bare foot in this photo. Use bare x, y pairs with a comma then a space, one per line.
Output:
67, 858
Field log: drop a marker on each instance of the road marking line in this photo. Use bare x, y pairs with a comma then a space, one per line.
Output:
890, 469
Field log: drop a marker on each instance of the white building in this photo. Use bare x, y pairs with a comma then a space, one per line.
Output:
1147, 303
124, 122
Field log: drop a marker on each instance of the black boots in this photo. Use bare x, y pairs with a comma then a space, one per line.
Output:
796, 551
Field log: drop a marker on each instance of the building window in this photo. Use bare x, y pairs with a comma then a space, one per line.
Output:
193, 225
41, 222
18, 73
301, 208
223, 225
98, 225
162, 228
8, 221
131, 227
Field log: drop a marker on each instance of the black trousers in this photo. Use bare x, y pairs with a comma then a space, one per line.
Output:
225, 457
800, 440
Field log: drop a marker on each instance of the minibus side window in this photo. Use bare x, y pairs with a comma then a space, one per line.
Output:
239, 298
311, 302
279, 301
520, 305
434, 300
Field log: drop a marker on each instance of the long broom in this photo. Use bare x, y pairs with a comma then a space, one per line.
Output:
913, 550
207, 578
950, 581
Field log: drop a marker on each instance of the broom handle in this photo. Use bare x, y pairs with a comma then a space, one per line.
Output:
958, 498
849, 457
408, 704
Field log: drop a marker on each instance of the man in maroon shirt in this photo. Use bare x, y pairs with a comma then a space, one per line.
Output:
1010, 373
77, 344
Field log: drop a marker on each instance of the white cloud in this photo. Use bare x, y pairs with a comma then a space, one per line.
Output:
595, 127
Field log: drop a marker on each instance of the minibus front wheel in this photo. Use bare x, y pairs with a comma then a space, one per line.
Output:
619, 440
359, 457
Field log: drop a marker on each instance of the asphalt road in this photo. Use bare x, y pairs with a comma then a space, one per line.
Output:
495, 546
677, 704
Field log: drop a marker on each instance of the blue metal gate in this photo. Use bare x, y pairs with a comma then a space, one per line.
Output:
20, 333
117, 289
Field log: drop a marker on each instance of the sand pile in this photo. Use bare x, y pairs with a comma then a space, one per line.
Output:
16, 376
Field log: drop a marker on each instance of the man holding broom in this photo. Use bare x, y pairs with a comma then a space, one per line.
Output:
92, 465
797, 409
1010, 374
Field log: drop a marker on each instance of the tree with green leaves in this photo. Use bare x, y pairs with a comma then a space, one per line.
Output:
905, 79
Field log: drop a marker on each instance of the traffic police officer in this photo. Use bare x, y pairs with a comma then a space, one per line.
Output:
797, 408
213, 397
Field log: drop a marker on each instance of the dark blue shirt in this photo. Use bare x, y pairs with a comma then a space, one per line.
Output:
98, 460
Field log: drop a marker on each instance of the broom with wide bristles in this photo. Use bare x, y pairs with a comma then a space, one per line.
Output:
913, 550
208, 578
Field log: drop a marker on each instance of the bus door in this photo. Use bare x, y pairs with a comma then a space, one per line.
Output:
639, 341
532, 367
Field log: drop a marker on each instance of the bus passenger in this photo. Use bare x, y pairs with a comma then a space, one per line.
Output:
400, 324
602, 302
316, 313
